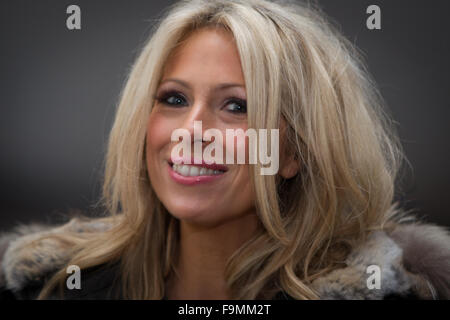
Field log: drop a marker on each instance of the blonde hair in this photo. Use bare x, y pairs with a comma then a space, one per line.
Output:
297, 69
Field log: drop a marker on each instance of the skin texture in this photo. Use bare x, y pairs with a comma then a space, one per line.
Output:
216, 217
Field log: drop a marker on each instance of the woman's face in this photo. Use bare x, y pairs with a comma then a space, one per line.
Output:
202, 81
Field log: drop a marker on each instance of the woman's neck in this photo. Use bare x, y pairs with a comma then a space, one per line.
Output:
203, 255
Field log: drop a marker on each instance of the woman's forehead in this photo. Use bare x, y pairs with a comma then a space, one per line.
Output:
208, 54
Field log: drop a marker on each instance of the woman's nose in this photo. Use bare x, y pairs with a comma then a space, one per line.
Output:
199, 117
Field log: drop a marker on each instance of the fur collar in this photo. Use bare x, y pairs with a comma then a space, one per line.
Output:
413, 260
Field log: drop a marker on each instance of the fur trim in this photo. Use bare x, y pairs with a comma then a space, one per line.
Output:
28, 261
426, 252
351, 282
413, 259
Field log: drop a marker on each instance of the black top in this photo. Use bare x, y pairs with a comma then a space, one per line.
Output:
97, 283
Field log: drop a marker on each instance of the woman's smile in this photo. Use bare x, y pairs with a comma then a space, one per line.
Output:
192, 174
189, 170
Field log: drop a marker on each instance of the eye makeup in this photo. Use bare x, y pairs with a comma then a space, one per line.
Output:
174, 98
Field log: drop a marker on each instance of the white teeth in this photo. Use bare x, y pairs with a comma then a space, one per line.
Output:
194, 171
184, 170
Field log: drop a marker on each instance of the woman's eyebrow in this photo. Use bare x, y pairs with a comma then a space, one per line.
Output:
220, 86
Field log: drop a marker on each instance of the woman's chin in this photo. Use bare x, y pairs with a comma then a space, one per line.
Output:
207, 217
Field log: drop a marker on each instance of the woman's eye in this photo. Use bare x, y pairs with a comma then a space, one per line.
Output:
173, 99
237, 106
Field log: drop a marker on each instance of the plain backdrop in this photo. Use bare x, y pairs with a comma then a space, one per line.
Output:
59, 89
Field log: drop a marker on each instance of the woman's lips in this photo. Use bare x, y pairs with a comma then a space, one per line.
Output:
202, 164
191, 174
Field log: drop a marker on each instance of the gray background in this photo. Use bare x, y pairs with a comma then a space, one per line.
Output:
59, 89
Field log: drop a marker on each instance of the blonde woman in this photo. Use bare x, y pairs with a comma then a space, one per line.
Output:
325, 226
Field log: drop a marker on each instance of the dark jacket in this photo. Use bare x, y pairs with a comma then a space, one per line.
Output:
413, 260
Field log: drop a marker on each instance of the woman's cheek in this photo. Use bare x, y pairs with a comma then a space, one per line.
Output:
159, 131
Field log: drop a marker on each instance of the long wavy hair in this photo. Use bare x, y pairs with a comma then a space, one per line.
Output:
298, 69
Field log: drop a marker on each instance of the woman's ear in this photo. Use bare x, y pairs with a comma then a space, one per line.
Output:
289, 166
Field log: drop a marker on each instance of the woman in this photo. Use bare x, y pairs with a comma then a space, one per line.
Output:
323, 227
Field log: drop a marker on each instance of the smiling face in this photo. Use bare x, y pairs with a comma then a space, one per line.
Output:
202, 81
